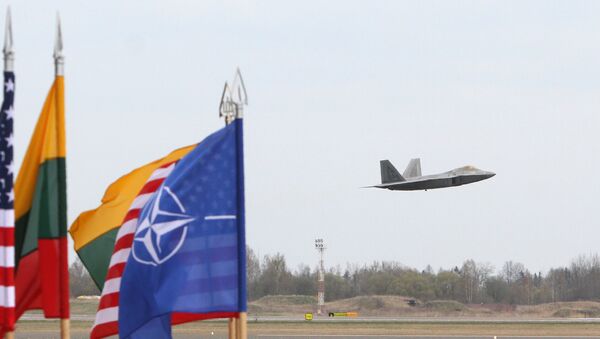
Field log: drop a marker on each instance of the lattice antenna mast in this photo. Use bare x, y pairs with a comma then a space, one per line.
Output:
320, 247
233, 99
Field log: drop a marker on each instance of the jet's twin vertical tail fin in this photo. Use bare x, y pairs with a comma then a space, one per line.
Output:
389, 173
413, 169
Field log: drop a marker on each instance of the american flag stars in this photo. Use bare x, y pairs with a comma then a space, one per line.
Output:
6, 143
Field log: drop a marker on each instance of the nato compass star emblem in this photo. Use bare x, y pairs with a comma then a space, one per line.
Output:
157, 223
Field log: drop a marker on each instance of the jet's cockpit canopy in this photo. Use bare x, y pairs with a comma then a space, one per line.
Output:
467, 169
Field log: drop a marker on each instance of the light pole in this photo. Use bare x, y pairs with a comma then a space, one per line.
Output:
320, 247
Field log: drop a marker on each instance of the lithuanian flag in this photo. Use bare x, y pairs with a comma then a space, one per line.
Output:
42, 279
94, 232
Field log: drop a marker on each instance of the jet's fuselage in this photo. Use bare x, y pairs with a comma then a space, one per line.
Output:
457, 177
434, 181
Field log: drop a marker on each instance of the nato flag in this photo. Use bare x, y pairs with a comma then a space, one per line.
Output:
188, 253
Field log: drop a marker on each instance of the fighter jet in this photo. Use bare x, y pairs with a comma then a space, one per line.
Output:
412, 180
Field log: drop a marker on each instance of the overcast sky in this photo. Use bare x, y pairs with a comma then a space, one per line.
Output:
334, 87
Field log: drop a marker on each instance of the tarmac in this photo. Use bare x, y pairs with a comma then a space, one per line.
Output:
300, 319
42, 335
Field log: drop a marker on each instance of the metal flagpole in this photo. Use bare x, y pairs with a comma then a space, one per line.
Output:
9, 53
227, 112
59, 58
9, 61
59, 70
232, 104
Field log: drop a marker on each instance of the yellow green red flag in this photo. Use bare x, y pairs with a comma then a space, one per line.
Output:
94, 232
41, 277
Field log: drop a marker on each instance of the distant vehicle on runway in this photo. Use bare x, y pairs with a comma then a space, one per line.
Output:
412, 180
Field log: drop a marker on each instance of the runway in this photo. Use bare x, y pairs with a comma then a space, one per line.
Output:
442, 320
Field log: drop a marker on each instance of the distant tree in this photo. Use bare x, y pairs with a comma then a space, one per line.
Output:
447, 285
80, 282
253, 273
275, 279
511, 271
304, 281
474, 276
336, 287
413, 284
497, 289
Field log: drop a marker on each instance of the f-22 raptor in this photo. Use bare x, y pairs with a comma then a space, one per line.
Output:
412, 180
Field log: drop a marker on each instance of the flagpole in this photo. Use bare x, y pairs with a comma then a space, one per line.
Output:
226, 111
9, 53
240, 99
9, 61
59, 70
232, 328
59, 58
231, 107
242, 330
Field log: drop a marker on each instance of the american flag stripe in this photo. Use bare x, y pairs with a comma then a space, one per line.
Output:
7, 236
7, 256
107, 317
7, 296
7, 213
109, 300
7, 271
7, 218
115, 271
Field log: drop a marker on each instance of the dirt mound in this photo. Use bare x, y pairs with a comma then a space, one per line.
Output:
370, 305
398, 306
286, 300
445, 306
283, 304
569, 309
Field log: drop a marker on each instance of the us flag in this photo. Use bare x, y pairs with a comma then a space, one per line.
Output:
7, 216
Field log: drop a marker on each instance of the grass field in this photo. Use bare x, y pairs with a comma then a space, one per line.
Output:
80, 329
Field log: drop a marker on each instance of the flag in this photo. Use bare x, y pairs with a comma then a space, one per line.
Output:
7, 213
41, 272
103, 236
188, 251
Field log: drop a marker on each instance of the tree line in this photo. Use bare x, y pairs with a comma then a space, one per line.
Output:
471, 282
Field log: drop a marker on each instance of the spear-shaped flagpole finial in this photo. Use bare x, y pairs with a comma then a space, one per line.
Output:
59, 58
239, 95
233, 99
226, 109
9, 53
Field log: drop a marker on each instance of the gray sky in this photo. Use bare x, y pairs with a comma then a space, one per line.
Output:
334, 87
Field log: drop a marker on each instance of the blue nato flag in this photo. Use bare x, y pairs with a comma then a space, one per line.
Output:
189, 248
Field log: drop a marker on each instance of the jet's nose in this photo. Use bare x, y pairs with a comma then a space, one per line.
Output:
488, 174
